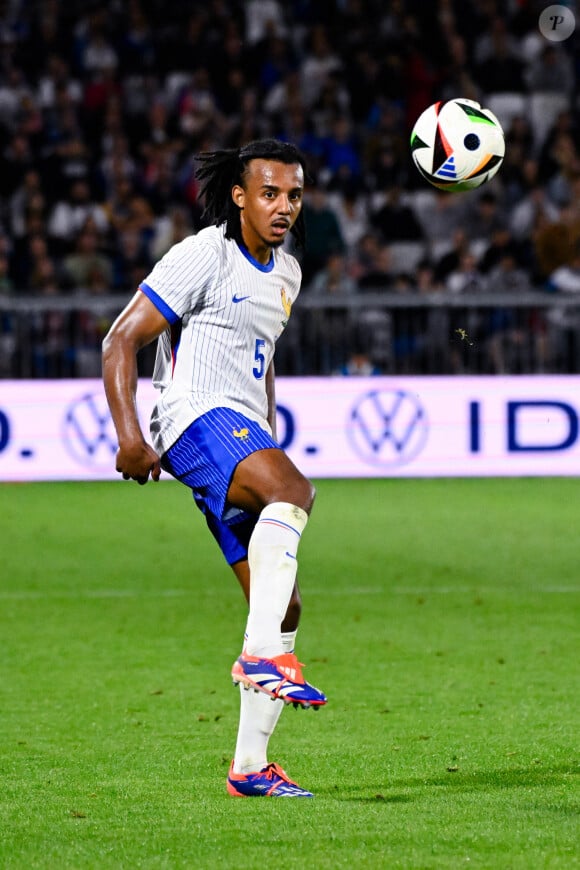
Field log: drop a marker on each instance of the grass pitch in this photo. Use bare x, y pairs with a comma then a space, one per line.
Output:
441, 617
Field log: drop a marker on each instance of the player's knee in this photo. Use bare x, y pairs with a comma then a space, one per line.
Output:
303, 494
310, 492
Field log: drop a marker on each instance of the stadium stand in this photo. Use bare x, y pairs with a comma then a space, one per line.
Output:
102, 108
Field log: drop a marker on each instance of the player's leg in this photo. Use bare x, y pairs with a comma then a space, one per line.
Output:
267, 483
259, 713
205, 458
235, 468
292, 618
250, 773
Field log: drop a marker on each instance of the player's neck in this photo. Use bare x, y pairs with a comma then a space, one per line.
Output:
258, 250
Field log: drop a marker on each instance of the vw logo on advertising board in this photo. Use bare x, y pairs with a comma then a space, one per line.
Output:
388, 427
88, 432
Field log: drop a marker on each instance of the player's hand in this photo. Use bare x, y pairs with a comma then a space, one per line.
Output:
137, 462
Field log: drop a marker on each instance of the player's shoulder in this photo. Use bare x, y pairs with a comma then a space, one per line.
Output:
289, 262
207, 239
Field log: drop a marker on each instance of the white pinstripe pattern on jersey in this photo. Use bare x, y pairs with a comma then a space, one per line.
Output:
225, 346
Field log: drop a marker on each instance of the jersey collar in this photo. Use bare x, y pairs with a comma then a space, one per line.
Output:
260, 266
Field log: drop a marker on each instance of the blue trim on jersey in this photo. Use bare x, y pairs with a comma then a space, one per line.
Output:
267, 268
158, 302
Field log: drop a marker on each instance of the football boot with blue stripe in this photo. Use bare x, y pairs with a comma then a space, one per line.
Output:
280, 677
272, 781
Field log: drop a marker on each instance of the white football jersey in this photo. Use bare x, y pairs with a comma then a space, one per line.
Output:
226, 312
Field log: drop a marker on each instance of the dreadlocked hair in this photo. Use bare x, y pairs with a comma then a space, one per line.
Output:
219, 171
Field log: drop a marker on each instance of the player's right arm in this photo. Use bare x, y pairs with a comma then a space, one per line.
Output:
138, 325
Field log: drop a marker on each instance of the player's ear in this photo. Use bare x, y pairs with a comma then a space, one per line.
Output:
238, 195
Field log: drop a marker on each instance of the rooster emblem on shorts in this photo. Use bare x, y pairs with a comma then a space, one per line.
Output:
242, 434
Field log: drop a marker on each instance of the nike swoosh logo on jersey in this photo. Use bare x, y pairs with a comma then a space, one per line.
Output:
236, 298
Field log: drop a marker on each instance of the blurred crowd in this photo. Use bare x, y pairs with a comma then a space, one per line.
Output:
103, 106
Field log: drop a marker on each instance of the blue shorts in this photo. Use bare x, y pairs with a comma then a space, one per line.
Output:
205, 458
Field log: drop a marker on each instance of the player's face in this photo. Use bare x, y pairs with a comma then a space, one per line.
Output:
270, 202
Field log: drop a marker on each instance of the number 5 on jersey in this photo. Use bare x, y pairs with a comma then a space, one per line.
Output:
259, 368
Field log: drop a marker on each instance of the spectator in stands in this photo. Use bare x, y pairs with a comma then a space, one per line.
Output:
331, 119
57, 85
26, 201
379, 274
533, 207
566, 123
551, 71
359, 364
333, 280
198, 113
296, 126
466, 326
6, 284
49, 331
330, 328
567, 158
157, 180
141, 220
564, 323
466, 278
69, 215
449, 261
44, 274
28, 252
87, 264
499, 67
137, 52
319, 61
554, 242
18, 160
365, 255
566, 278
262, 18
500, 245
117, 204
274, 60
459, 77
171, 228
506, 335
484, 218
519, 175
396, 220
322, 233
349, 203
440, 215
433, 325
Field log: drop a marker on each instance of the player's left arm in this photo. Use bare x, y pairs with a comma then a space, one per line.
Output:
271, 394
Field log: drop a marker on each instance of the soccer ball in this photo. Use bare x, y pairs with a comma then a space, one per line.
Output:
457, 144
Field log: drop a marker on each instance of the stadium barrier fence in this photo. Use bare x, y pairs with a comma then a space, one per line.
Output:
390, 333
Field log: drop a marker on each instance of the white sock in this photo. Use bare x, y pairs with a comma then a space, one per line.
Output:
259, 716
272, 560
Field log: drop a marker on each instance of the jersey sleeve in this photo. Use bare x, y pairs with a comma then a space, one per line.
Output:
180, 278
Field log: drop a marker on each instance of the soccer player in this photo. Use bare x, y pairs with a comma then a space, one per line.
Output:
217, 302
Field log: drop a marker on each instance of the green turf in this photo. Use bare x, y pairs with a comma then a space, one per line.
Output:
441, 618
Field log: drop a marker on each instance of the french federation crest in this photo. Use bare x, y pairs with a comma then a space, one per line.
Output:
286, 305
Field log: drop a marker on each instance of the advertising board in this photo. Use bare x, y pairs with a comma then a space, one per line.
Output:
330, 427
